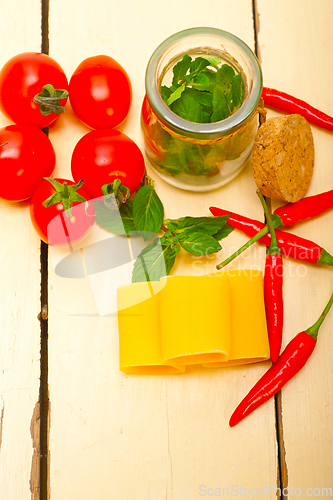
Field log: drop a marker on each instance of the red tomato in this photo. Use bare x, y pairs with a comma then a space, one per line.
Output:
101, 156
21, 78
100, 92
52, 224
26, 156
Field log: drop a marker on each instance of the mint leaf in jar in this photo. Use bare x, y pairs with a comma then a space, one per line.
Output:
197, 65
237, 90
190, 109
220, 105
180, 69
176, 94
204, 98
221, 89
225, 76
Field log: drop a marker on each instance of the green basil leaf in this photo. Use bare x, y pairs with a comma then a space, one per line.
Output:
168, 240
188, 108
165, 93
176, 94
225, 75
198, 243
222, 95
198, 65
201, 80
180, 69
220, 105
153, 263
211, 75
237, 90
223, 232
201, 96
148, 211
214, 61
176, 159
207, 225
116, 220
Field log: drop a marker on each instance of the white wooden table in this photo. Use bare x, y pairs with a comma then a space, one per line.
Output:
106, 435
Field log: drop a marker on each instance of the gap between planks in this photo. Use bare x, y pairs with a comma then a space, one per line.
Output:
44, 400
282, 470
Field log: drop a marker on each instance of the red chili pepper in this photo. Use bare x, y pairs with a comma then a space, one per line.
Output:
290, 244
288, 104
290, 362
273, 296
304, 209
273, 289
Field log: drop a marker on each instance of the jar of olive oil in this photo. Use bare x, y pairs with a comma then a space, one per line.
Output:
188, 142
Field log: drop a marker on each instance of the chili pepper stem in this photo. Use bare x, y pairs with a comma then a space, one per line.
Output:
274, 246
325, 258
246, 245
313, 330
265, 230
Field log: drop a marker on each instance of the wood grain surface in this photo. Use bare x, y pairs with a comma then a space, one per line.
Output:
19, 302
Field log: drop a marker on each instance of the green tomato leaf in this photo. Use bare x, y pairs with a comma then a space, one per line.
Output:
116, 220
153, 263
180, 69
148, 211
52, 200
198, 243
58, 186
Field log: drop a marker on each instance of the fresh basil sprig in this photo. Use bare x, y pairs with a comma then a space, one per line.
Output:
144, 216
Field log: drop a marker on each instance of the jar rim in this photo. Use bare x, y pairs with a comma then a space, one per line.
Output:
203, 130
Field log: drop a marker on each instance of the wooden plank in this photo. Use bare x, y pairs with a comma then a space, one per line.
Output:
295, 51
118, 436
19, 301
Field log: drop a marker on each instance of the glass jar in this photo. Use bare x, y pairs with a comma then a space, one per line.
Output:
199, 156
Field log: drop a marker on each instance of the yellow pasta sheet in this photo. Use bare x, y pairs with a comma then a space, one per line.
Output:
215, 320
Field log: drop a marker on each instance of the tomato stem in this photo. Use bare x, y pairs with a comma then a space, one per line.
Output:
115, 192
64, 194
49, 100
